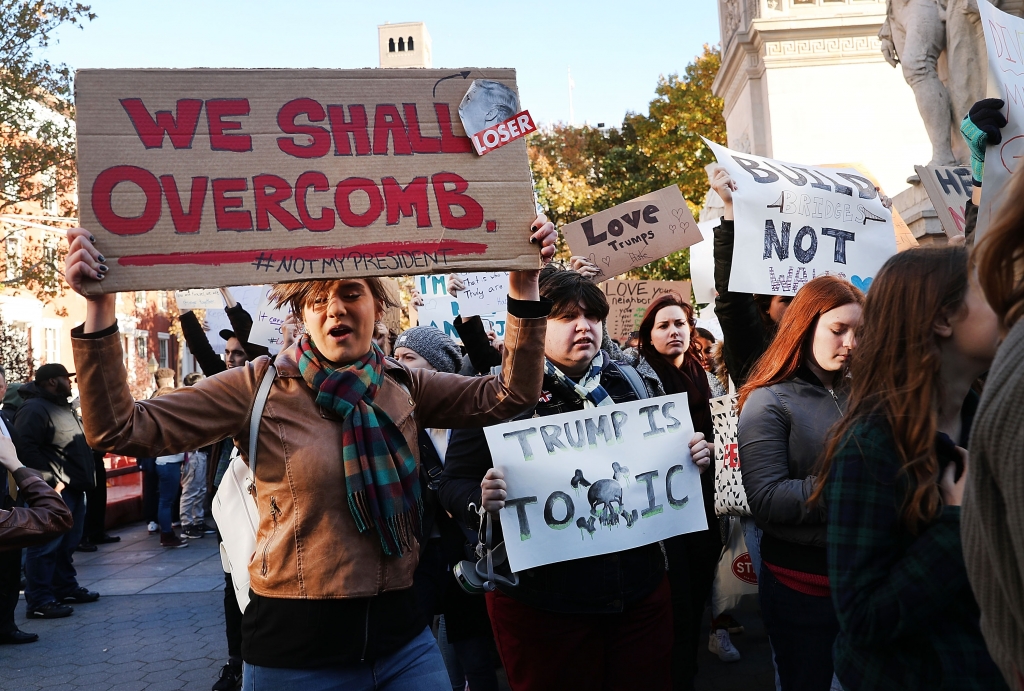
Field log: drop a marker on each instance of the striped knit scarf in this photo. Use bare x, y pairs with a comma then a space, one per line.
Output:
588, 391
381, 478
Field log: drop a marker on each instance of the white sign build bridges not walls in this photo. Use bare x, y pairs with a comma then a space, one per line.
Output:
597, 480
797, 222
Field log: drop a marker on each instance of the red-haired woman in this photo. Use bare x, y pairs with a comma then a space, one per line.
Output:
894, 478
794, 394
666, 343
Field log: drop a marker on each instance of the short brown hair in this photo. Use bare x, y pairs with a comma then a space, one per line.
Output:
298, 295
568, 290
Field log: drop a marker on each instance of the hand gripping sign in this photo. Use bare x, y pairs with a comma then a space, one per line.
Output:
796, 222
596, 481
206, 178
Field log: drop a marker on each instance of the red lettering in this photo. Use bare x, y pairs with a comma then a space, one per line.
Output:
450, 143
343, 202
216, 110
269, 203
420, 144
473, 213
180, 127
318, 182
321, 143
406, 202
388, 121
223, 206
102, 206
355, 126
185, 222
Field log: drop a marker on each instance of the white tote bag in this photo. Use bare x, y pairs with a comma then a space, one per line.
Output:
730, 497
735, 576
234, 505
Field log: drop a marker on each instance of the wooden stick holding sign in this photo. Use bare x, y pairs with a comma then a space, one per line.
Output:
205, 178
596, 481
635, 233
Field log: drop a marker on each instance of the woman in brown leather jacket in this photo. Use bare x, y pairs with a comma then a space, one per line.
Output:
337, 484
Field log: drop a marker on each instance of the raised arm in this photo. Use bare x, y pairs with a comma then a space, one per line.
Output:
199, 345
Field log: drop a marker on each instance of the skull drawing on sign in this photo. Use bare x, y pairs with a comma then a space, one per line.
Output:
605, 498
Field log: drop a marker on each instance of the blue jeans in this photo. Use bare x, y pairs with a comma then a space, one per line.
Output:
416, 667
170, 480
49, 572
802, 629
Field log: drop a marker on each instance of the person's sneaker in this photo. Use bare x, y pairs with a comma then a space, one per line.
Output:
86, 546
50, 610
191, 531
175, 524
721, 645
18, 637
153, 527
230, 678
207, 530
80, 596
727, 622
171, 540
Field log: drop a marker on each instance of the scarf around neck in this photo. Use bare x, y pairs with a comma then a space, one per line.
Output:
381, 479
588, 391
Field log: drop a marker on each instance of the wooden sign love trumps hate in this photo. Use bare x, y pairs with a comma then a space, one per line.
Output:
635, 233
206, 178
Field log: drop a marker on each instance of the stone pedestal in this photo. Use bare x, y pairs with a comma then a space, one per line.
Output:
918, 212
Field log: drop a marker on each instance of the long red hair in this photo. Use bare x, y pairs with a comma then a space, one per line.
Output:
792, 343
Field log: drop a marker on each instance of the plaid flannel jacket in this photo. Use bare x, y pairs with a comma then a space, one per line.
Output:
907, 616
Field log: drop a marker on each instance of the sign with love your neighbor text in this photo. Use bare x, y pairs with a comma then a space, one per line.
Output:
635, 233
628, 300
204, 178
597, 480
796, 222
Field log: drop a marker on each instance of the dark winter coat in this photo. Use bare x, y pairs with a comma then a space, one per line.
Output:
51, 440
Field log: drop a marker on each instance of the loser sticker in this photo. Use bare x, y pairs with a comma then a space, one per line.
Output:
501, 134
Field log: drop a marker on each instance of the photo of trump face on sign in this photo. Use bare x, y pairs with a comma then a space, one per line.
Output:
487, 103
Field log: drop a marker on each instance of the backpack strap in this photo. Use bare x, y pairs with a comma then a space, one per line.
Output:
257, 414
633, 378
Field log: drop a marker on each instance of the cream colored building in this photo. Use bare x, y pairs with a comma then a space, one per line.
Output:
404, 45
805, 81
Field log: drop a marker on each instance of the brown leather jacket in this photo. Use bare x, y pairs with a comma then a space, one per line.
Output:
307, 543
46, 517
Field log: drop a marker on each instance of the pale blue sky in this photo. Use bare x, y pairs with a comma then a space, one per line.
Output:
616, 50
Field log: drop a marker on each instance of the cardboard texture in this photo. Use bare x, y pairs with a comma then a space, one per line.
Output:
949, 189
795, 222
905, 239
1003, 35
635, 233
204, 178
628, 300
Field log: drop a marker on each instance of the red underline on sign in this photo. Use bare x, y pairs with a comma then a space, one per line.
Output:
449, 247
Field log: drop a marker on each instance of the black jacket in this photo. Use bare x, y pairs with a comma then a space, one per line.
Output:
745, 337
52, 441
603, 584
783, 430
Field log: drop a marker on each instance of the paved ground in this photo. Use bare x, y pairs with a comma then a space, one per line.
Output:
159, 626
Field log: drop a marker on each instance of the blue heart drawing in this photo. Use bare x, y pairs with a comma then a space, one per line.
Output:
863, 284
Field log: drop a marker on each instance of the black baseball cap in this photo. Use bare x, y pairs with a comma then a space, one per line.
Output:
227, 333
51, 370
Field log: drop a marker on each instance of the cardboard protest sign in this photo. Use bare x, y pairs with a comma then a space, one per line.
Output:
570, 471
203, 178
702, 264
485, 293
635, 233
267, 322
440, 309
795, 222
905, 239
628, 300
198, 299
1003, 43
949, 189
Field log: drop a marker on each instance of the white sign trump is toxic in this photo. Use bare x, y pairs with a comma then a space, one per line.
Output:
574, 492
796, 222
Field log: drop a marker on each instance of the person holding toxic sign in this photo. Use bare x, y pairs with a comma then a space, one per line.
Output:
337, 483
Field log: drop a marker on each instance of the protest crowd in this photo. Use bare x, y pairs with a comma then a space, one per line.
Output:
871, 473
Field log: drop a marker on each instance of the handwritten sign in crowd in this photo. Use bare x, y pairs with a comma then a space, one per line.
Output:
205, 178
597, 480
795, 222
628, 300
440, 309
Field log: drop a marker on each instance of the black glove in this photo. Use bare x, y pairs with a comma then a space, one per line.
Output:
986, 117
